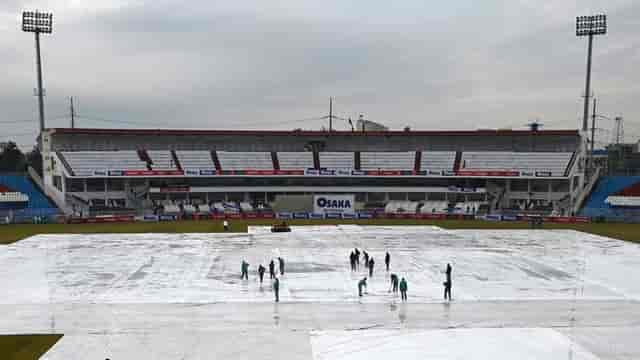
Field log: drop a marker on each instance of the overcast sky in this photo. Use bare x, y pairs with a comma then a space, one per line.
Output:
255, 64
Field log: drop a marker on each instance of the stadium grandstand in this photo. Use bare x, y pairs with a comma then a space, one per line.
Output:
614, 198
91, 172
22, 201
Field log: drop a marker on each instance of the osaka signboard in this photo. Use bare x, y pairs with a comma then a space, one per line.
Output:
333, 204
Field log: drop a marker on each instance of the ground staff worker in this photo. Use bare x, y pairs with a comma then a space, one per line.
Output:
276, 289
403, 289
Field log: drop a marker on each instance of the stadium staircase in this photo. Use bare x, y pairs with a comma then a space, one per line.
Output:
65, 163
144, 156
418, 161
567, 171
176, 161
585, 192
216, 161
457, 162
274, 160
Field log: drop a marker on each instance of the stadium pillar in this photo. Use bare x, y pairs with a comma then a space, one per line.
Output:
587, 87
38, 22
589, 26
40, 90
591, 167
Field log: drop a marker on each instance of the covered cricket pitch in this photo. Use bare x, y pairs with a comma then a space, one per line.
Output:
517, 294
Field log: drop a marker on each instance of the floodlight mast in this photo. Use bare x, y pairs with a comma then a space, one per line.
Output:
38, 22
589, 26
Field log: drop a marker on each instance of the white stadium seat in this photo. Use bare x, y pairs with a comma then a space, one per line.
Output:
84, 163
402, 207
195, 160
295, 160
218, 206
337, 160
437, 160
554, 162
246, 207
189, 209
434, 206
171, 209
203, 209
232, 160
401, 160
162, 160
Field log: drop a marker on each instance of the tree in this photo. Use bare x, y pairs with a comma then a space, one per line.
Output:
12, 159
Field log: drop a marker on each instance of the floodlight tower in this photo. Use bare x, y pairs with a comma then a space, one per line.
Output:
38, 22
589, 26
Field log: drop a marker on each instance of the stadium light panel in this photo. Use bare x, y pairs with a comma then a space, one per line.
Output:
591, 25
35, 21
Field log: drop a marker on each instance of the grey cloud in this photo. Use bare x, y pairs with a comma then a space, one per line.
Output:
167, 65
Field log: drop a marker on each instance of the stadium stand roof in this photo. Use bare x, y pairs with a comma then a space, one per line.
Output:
179, 132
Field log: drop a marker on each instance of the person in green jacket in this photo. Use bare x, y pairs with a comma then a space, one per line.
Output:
276, 288
403, 289
362, 284
245, 270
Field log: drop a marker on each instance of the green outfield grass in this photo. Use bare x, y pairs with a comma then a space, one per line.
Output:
26, 347
12, 233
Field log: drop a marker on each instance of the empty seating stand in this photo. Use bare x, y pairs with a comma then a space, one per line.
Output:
84, 163
232, 160
552, 162
195, 160
437, 161
295, 160
337, 160
387, 160
22, 190
162, 160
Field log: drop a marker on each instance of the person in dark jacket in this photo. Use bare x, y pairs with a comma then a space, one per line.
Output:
387, 260
447, 284
272, 269
276, 288
447, 290
362, 284
357, 253
244, 268
352, 261
394, 283
403, 289
281, 264
366, 258
261, 270
371, 263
